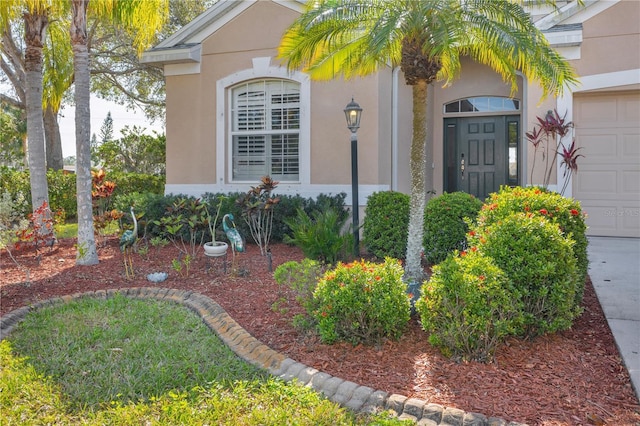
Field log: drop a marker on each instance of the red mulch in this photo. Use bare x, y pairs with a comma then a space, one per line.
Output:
572, 378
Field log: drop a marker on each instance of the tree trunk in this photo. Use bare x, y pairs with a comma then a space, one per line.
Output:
35, 25
87, 253
413, 267
52, 137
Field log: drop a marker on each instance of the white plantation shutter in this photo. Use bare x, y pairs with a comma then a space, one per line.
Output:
266, 130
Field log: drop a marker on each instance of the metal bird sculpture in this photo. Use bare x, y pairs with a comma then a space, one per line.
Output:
229, 226
127, 240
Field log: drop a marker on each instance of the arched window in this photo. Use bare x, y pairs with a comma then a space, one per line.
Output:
482, 104
265, 130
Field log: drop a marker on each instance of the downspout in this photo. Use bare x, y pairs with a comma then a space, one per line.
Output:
394, 128
524, 170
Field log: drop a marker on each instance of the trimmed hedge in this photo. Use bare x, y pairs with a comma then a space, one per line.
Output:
564, 212
386, 224
445, 224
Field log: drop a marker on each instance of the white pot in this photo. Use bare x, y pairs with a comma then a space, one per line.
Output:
215, 249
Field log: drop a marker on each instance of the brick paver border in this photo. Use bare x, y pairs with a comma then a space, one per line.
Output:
347, 394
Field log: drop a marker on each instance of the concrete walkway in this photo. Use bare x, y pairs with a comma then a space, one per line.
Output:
614, 268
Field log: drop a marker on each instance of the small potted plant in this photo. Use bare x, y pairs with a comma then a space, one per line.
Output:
214, 248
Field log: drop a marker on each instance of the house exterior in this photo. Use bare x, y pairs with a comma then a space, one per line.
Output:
234, 114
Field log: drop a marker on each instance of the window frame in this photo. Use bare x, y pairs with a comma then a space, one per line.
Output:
256, 119
262, 70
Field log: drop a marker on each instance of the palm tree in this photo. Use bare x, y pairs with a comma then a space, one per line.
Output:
142, 18
427, 39
35, 14
57, 78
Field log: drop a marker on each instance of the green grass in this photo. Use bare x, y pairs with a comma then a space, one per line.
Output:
66, 230
70, 230
126, 361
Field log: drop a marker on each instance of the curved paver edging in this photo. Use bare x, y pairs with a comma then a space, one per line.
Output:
347, 394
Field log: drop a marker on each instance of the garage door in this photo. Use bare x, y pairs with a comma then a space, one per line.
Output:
607, 127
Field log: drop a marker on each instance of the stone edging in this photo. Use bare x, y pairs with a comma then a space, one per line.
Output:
348, 394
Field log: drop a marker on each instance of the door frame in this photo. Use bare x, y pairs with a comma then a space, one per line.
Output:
512, 145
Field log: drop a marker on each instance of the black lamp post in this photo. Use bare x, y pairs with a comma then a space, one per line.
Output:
353, 112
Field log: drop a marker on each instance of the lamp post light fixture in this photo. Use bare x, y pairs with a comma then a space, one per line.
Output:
353, 112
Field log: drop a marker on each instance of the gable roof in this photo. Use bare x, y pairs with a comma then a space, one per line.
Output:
562, 27
184, 45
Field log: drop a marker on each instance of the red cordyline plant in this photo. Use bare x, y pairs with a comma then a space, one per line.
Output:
40, 231
546, 137
101, 195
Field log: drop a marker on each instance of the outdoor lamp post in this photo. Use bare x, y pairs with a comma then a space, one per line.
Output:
353, 112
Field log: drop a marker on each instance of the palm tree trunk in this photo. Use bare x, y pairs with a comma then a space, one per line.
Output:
35, 25
413, 267
87, 253
53, 141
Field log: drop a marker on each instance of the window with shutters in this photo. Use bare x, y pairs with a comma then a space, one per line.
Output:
265, 130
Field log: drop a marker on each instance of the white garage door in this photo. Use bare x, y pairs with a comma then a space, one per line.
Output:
607, 127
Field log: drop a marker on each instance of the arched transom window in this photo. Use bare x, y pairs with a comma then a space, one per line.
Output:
482, 104
265, 130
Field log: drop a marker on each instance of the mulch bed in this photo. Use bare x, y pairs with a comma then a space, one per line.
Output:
574, 377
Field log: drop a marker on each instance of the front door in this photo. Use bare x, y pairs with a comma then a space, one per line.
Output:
481, 154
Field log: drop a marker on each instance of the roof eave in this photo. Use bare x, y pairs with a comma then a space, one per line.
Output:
173, 55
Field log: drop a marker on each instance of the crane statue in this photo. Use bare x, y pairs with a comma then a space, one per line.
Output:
235, 239
127, 241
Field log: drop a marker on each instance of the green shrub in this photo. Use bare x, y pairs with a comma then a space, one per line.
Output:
362, 302
127, 183
11, 218
286, 209
301, 277
148, 207
445, 227
320, 237
468, 307
62, 192
62, 187
16, 183
538, 259
386, 224
565, 212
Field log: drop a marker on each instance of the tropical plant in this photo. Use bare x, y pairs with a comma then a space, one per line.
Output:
33, 235
546, 138
184, 225
213, 224
427, 40
102, 196
569, 162
35, 16
257, 211
320, 236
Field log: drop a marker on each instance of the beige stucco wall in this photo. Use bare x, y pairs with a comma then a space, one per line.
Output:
611, 40
191, 115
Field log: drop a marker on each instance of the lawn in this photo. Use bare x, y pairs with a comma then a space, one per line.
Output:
126, 361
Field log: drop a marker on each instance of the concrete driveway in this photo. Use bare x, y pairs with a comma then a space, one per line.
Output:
614, 268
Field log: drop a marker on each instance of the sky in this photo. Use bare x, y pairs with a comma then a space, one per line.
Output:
99, 109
